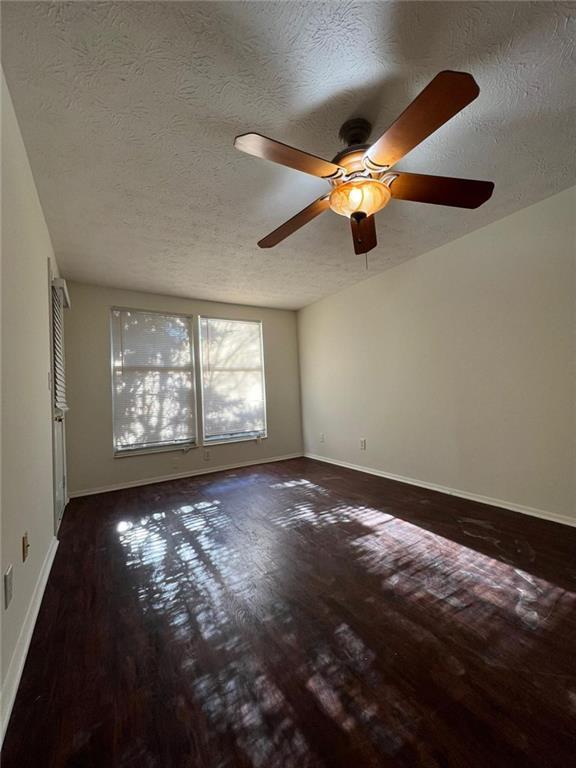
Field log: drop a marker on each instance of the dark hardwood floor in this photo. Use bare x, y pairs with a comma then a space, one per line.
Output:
294, 615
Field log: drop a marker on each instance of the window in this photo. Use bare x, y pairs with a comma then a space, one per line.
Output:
233, 398
152, 380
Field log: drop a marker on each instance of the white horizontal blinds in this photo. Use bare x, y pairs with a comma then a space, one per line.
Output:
233, 399
59, 374
153, 380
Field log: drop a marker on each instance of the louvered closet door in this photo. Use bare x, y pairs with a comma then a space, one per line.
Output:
59, 404
59, 374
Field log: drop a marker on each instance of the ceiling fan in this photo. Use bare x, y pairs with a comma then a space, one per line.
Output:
360, 176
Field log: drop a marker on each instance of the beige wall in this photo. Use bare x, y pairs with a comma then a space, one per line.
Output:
458, 367
27, 502
91, 464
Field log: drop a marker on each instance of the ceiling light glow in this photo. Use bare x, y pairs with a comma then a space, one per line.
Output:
359, 196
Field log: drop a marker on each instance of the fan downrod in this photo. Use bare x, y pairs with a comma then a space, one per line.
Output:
355, 131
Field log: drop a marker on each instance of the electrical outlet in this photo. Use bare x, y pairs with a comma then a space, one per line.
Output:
322, 437
25, 547
8, 586
206, 454
362, 443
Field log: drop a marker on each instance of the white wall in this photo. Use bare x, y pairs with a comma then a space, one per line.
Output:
91, 464
458, 367
27, 500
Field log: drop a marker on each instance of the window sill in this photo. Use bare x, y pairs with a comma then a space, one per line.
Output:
180, 447
227, 440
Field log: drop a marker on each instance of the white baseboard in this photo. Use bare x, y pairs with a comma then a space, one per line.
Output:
180, 475
512, 506
14, 673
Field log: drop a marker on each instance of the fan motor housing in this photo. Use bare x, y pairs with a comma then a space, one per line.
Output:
355, 131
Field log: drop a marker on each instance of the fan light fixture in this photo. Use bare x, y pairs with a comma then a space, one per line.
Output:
360, 175
366, 196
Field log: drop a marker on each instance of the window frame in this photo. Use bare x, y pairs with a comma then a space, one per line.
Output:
253, 437
181, 447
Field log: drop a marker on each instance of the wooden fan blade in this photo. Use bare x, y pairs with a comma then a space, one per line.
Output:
297, 221
444, 97
363, 234
441, 190
268, 149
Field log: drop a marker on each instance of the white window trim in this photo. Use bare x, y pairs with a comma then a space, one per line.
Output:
180, 447
122, 453
255, 438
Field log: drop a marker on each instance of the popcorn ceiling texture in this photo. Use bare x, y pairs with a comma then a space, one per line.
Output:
129, 111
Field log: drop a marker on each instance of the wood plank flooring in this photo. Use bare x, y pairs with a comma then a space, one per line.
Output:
299, 615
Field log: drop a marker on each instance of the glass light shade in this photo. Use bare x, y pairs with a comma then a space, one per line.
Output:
360, 195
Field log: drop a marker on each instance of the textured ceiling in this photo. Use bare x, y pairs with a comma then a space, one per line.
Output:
129, 111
